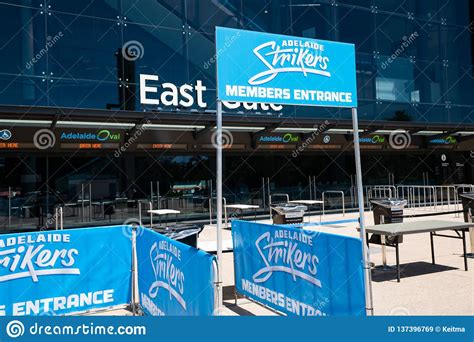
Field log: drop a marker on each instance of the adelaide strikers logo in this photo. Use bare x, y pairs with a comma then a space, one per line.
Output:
32, 256
165, 258
291, 56
286, 252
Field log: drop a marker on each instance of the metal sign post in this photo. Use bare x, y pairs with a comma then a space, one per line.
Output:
219, 204
316, 73
360, 195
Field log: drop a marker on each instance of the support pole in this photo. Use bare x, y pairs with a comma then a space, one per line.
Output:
360, 195
158, 205
9, 207
219, 204
61, 221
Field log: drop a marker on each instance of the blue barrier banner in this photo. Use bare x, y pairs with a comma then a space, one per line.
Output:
173, 278
270, 68
299, 272
66, 271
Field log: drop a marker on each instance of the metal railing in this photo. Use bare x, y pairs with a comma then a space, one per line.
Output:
334, 192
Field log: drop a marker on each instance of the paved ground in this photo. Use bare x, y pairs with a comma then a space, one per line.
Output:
425, 289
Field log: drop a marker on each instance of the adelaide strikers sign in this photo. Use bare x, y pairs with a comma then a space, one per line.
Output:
263, 67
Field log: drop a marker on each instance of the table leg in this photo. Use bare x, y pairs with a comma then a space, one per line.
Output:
398, 260
384, 251
463, 232
432, 249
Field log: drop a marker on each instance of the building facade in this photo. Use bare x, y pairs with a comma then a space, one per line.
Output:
72, 69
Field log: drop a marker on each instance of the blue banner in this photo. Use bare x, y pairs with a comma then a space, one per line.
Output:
61, 272
299, 272
270, 68
173, 278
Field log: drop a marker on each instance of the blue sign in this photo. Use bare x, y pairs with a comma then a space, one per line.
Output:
61, 272
173, 278
299, 272
270, 68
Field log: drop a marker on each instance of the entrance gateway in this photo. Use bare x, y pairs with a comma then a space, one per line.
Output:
278, 69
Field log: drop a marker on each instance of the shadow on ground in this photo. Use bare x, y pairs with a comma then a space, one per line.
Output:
409, 270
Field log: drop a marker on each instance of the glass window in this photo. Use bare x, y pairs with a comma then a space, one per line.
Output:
75, 93
394, 6
206, 15
109, 9
361, 3
313, 21
159, 52
431, 113
394, 35
395, 80
275, 16
460, 83
366, 76
428, 87
455, 43
426, 46
26, 3
419, 9
23, 90
395, 111
87, 48
162, 13
23, 46
462, 114
201, 52
351, 31
455, 12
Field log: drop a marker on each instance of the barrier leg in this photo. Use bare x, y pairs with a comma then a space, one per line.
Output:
464, 251
432, 249
133, 270
397, 255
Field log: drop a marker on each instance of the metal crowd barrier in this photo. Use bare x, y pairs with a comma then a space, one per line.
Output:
334, 192
378, 191
58, 218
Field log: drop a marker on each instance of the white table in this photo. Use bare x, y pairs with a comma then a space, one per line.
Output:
161, 212
416, 227
164, 211
241, 208
310, 203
